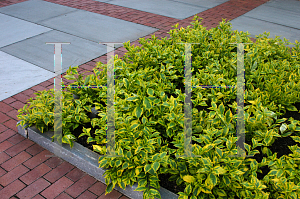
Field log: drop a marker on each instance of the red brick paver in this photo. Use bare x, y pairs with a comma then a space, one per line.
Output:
57, 188
35, 174
26, 169
13, 175
33, 189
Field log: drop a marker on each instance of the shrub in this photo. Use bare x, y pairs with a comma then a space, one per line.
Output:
149, 114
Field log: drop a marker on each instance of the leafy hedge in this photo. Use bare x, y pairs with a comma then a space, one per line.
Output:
149, 114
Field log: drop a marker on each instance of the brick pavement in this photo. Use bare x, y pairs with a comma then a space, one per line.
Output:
25, 170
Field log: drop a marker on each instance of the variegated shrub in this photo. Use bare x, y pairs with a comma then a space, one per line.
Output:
149, 115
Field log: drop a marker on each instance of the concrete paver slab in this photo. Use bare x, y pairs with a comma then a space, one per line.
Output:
14, 30
98, 28
256, 27
17, 75
277, 15
35, 11
288, 5
167, 8
36, 51
202, 3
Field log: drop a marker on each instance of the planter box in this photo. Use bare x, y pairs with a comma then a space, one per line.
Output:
83, 158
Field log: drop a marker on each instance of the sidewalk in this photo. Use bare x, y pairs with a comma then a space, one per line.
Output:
25, 170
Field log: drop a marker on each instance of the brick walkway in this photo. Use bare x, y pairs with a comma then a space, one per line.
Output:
25, 171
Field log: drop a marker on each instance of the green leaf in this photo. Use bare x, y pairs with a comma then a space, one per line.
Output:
97, 148
141, 189
77, 118
142, 182
211, 179
221, 109
228, 116
146, 103
132, 99
147, 168
172, 164
138, 149
46, 120
259, 117
188, 189
219, 152
189, 178
109, 188
144, 120
268, 140
118, 163
155, 193
287, 134
296, 138
150, 91
122, 185
126, 83
70, 77
103, 162
291, 108
128, 154
152, 172
91, 139
156, 166
221, 192
134, 126
171, 125
138, 112
219, 170
86, 81
125, 165
226, 180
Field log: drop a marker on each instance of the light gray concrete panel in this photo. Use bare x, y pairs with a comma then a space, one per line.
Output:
98, 28
276, 15
202, 3
35, 11
14, 30
36, 51
288, 5
167, 8
17, 75
256, 27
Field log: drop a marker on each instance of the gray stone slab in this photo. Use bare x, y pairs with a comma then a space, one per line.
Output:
35, 50
276, 15
177, 10
85, 160
17, 75
14, 30
288, 5
98, 28
35, 11
256, 27
202, 3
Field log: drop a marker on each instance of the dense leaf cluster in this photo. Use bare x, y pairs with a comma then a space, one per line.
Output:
149, 114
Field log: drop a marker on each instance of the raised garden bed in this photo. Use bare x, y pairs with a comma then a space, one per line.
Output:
83, 158
149, 116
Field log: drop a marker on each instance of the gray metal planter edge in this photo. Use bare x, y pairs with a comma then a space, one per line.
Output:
83, 158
